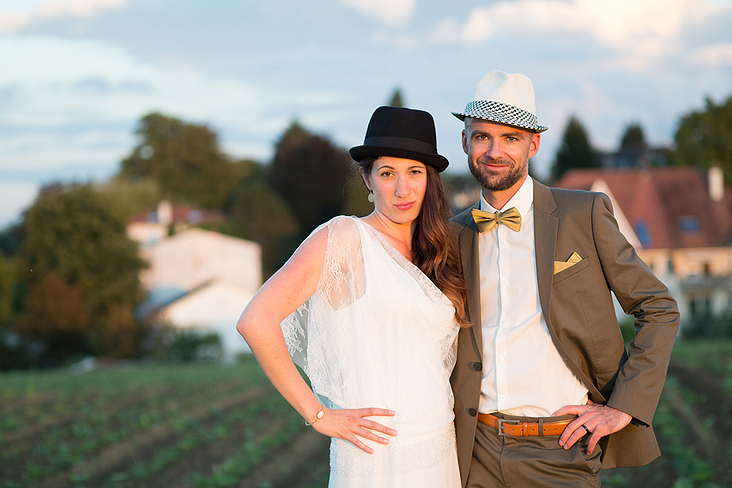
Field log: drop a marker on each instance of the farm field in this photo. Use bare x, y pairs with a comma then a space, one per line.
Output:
161, 426
225, 426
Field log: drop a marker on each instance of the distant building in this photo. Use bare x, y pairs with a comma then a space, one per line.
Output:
680, 222
197, 279
152, 225
637, 157
214, 306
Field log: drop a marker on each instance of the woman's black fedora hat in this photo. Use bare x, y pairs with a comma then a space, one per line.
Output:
401, 133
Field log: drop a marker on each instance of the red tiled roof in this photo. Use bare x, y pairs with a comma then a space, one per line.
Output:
672, 203
183, 213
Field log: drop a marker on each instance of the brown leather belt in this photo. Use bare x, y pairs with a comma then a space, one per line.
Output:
519, 428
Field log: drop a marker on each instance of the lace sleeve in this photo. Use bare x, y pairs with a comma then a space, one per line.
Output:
341, 283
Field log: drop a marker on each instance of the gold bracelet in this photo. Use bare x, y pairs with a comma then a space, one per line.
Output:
318, 416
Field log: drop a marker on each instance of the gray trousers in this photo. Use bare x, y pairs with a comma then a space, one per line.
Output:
531, 462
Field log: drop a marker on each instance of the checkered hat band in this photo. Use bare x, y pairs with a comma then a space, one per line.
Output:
501, 112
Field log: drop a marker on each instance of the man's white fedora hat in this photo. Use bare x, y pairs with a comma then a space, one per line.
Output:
506, 99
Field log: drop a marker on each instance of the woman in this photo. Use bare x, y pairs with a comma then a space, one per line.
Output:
370, 309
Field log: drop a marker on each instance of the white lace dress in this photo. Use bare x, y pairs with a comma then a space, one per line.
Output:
378, 333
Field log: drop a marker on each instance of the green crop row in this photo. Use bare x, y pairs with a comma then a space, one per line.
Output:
711, 355
68, 418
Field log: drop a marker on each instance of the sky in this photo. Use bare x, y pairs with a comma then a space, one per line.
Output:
76, 76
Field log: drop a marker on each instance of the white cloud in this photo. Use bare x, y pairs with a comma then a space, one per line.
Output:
77, 8
713, 55
44, 151
13, 18
12, 21
75, 103
404, 42
39, 60
648, 27
394, 12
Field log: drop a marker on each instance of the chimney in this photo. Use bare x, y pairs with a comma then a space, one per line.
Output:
165, 213
716, 182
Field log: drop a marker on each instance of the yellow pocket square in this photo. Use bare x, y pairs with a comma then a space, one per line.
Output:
562, 265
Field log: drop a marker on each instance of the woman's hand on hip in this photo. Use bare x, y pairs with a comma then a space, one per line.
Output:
350, 425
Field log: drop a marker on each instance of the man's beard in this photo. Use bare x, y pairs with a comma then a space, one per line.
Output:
493, 182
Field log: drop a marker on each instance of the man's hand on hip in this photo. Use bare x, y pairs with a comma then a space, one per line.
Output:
595, 419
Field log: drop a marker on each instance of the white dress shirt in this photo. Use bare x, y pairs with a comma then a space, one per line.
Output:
523, 373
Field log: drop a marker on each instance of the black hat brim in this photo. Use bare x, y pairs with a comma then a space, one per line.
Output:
438, 162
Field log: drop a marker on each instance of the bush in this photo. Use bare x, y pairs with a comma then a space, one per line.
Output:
167, 344
708, 327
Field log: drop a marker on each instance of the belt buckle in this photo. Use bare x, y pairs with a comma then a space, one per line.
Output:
505, 421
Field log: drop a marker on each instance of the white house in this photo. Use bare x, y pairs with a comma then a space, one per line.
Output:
199, 280
214, 306
680, 222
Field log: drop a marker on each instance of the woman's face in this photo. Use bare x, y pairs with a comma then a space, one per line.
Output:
399, 186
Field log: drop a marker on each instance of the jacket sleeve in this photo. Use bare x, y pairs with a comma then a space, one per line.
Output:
640, 379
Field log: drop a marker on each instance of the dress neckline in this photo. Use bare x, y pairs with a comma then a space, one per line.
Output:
400, 260
383, 237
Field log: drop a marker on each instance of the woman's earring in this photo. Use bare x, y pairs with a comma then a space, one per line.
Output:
370, 198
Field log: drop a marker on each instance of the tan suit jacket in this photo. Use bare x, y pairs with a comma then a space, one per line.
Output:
578, 309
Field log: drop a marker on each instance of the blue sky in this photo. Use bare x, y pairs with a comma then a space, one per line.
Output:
77, 75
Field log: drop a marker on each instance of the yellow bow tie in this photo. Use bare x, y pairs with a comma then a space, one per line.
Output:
487, 220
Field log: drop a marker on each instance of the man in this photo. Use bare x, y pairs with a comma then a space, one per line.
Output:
545, 392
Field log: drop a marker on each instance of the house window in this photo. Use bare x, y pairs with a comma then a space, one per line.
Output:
700, 307
644, 235
689, 223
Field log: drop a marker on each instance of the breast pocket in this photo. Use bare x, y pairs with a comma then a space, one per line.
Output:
572, 270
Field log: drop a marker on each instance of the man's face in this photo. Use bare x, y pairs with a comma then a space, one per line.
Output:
498, 155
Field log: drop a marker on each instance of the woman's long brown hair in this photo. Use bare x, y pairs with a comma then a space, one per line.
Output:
433, 251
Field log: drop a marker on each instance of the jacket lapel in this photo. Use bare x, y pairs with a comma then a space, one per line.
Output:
545, 240
546, 225
468, 242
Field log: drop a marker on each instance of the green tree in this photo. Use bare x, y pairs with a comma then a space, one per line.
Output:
633, 138
184, 159
396, 99
10, 239
264, 217
7, 284
131, 196
74, 232
575, 150
119, 335
58, 313
310, 173
357, 196
705, 138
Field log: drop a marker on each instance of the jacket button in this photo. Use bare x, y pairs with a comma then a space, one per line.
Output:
477, 365
472, 412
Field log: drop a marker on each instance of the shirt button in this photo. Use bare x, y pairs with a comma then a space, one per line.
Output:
500, 358
503, 398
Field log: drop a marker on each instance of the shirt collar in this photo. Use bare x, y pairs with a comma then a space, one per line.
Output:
522, 199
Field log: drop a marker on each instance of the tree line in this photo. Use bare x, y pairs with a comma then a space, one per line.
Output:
702, 138
69, 275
